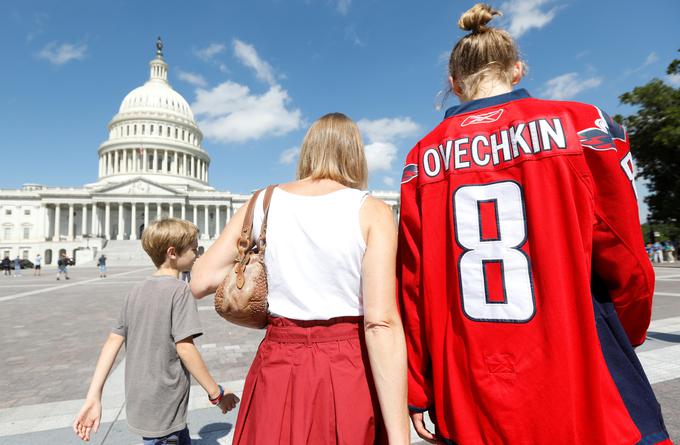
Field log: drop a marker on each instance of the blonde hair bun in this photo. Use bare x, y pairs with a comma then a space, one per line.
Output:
476, 18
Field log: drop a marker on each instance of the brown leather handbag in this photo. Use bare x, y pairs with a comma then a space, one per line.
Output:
241, 298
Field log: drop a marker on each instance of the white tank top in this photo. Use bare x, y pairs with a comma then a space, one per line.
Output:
314, 253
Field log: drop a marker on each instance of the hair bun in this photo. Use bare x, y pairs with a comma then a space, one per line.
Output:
476, 18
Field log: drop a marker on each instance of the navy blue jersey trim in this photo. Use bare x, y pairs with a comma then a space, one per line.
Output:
478, 104
415, 409
625, 368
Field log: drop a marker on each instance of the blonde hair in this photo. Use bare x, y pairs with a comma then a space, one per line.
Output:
333, 149
484, 53
166, 233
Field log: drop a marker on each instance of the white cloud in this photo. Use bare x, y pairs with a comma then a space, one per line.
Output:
248, 56
289, 155
388, 181
231, 113
343, 6
388, 129
381, 135
352, 36
192, 78
527, 14
380, 155
59, 54
209, 52
568, 85
673, 79
651, 58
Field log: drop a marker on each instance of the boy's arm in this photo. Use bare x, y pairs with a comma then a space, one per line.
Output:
90, 414
194, 363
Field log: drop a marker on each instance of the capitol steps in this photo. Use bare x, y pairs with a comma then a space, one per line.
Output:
126, 252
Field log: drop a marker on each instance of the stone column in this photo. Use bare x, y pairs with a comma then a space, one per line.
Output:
159, 211
193, 166
145, 160
155, 161
206, 226
184, 166
218, 229
57, 222
176, 158
166, 162
146, 215
94, 228
184, 211
228, 212
115, 162
171, 212
83, 230
107, 221
133, 221
206, 172
195, 215
125, 160
121, 222
70, 222
48, 223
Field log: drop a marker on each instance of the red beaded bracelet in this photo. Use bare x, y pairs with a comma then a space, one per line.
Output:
218, 399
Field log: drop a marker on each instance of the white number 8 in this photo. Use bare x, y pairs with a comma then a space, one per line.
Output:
518, 305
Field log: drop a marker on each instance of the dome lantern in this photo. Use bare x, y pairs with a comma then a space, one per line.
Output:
159, 69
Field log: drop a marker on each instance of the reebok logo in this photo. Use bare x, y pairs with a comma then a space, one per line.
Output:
485, 118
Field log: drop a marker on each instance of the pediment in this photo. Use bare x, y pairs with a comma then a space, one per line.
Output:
137, 187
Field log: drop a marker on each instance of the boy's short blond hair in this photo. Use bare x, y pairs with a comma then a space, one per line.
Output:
166, 233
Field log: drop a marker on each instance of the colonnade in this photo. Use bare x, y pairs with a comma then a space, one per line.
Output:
153, 160
97, 219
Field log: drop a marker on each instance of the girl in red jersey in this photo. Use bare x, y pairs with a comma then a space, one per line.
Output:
523, 278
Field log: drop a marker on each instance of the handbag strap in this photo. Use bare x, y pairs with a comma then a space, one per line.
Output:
245, 242
262, 240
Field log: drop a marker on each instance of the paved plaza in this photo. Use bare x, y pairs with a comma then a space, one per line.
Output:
51, 332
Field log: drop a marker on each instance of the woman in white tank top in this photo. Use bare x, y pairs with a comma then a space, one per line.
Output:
332, 366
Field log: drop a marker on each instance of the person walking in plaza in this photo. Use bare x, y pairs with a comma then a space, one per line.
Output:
332, 366
6, 265
62, 266
158, 324
669, 251
101, 262
17, 266
37, 265
512, 209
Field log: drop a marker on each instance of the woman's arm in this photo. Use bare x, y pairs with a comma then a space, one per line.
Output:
384, 332
211, 268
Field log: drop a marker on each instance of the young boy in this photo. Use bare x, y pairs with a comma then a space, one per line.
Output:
157, 323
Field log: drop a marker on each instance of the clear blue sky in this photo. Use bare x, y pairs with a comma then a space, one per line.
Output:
67, 66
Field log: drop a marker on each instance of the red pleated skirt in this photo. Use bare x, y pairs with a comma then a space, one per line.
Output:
310, 383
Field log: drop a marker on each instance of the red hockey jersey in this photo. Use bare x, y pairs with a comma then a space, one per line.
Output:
507, 209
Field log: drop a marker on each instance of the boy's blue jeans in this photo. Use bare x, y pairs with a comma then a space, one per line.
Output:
176, 438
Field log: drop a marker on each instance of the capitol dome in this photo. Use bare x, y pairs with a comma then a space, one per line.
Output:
153, 96
154, 133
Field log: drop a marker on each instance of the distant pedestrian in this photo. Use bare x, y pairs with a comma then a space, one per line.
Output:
6, 266
658, 252
101, 262
669, 251
37, 269
650, 251
17, 266
62, 266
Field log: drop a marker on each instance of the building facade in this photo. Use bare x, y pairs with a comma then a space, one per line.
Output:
152, 165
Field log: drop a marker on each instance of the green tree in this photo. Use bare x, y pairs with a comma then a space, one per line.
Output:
654, 132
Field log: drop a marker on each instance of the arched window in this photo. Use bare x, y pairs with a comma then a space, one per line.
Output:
127, 128
167, 132
151, 129
134, 129
142, 128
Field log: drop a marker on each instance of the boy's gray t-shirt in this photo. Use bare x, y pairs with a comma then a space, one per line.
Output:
155, 315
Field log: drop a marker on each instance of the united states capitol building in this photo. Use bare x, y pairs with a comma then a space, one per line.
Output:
152, 165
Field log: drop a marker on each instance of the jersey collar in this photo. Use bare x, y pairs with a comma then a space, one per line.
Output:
487, 102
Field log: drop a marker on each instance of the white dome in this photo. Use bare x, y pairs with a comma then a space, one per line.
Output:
158, 96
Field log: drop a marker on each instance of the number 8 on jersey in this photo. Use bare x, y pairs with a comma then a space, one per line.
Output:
494, 273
